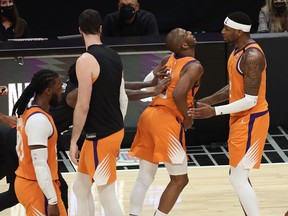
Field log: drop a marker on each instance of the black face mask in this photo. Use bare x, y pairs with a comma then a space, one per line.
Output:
7, 11
280, 7
127, 12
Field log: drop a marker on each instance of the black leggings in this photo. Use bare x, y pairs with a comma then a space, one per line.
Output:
8, 199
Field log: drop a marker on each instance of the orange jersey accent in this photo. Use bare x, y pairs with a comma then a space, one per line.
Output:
165, 99
26, 168
236, 81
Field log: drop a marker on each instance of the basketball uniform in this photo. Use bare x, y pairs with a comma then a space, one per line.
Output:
160, 136
249, 128
27, 188
104, 125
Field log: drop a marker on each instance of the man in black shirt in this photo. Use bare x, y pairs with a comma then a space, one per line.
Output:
129, 20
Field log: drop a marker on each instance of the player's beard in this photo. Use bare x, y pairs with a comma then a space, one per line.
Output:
54, 101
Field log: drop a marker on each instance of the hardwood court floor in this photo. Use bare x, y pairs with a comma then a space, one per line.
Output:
208, 193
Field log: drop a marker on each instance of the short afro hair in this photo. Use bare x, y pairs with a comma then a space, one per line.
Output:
240, 17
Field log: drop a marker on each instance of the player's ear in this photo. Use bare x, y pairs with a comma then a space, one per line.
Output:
100, 29
239, 33
48, 91
184, 45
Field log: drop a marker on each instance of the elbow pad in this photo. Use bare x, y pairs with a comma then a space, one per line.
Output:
245, 103
43, 174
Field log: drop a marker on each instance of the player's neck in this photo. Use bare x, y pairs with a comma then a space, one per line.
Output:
242, 42
91, 40
43, 103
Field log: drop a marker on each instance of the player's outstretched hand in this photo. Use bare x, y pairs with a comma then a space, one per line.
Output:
202, 111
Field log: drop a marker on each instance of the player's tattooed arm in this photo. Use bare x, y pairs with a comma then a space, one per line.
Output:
252, 65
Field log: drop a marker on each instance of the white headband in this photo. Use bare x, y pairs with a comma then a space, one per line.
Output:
238, 26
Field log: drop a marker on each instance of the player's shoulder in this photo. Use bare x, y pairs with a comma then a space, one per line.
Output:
85, 60
194, 66
38, 118
253, 53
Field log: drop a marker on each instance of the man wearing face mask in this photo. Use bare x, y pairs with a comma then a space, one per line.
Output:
273, 17
129, 20
12, 25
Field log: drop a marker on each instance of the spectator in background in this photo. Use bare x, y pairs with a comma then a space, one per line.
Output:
12, 25
129, 20
273, 16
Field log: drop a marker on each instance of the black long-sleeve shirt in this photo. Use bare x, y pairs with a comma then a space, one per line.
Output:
144, 24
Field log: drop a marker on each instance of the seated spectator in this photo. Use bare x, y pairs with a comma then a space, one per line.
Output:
12, 25
273, 16
129, 20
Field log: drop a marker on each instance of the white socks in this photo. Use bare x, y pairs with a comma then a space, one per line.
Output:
159, 213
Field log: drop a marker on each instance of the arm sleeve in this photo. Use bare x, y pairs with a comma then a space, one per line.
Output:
43, 174
38, 129
123, 99
149, 77
245, 103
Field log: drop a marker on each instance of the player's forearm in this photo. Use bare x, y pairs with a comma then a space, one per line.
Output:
138, 94
79, 119
217, 97
138, 85
43, 174
181, 103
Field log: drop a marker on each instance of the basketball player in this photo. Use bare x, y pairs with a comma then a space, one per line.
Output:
248, 108
100, 112
36, 183
62, 115
160, 131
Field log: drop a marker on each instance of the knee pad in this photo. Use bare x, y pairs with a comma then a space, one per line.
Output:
238, 176
82, 185
146, 173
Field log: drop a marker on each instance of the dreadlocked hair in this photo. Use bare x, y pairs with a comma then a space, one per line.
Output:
40, 81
